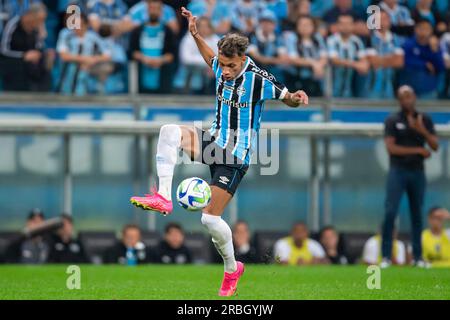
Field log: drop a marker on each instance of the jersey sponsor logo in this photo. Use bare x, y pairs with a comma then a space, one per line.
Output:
224, 180
400, 126
263, 73
232, 103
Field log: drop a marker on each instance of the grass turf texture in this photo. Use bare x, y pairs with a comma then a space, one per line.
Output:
202, 282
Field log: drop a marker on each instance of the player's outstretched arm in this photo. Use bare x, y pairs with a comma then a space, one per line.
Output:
296, 99
206, 52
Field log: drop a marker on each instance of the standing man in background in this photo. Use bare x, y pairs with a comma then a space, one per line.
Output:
406, 133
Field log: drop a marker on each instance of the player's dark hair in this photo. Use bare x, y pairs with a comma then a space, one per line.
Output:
130, 226
233, 44
240, 222
173, 225
432, 210
299, 223
423, 20
35, 212
326, 228
66, 216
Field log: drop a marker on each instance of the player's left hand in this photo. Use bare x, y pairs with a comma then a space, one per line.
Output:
300, 97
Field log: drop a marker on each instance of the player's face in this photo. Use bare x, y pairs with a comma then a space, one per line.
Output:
231, 67
423, 32
299, 233
435, 222
305, 27
154, 11
267, 26
345, 25
174, 238
407, 100
241, 234
204, 28
329, 239
131, 237
35, 222
385, 21
66, 229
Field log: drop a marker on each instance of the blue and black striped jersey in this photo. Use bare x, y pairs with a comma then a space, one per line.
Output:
239, 106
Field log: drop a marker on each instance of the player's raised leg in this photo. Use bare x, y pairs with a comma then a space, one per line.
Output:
172, 137
222, 238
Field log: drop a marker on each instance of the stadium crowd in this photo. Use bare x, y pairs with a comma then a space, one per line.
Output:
299, 247
45, 49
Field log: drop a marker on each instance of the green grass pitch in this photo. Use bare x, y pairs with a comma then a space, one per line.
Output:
202, 282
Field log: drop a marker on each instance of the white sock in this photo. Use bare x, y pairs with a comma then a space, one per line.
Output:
222, 239
169, 143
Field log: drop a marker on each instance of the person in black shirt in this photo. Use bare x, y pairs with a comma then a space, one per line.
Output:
64, 247
329, 239
406, 133
171, 249
27, 250
25, 63
243, 248
130, 250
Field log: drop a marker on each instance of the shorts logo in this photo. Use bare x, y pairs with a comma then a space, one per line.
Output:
224, 180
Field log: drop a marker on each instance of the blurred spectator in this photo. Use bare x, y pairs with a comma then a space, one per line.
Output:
64, 247
385, 55
139, 15
84, 57
130, 250
116, 80
348, 59
26, 64
444, 90
307, 54
243, 248
344, 7
423, 61
218, 11
320, 7
14, 8
298, 9
245, 15
298, 248
407, 133
329, 239
424, 11
109, 12
435, 239
193, 75
278, 7
172, 250
153, 46
266, 47
372, 250
401, 20
32, 250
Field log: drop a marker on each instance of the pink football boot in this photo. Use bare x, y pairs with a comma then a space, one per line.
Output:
153, 202
230, 281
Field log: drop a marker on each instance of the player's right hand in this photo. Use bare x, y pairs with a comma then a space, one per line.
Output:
191, 19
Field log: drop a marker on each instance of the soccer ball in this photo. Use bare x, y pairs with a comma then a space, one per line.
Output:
193, 194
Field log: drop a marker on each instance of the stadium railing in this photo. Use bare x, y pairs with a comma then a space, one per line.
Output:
149, 131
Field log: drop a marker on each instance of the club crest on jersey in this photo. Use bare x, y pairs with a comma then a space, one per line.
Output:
240, 91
